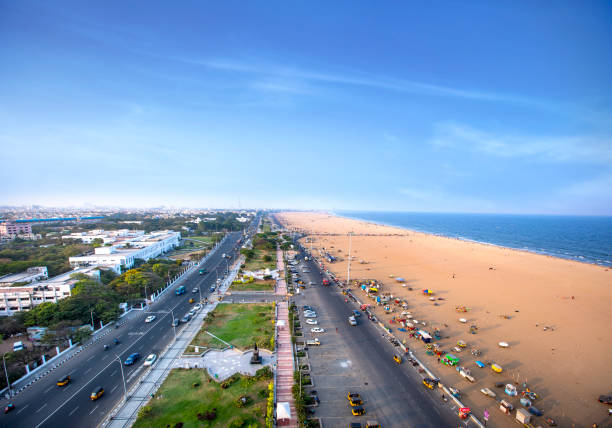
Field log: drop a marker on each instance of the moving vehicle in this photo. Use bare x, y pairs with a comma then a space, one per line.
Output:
195, 290
176, 322
64, 381
191, 300
96, 393
356, 313
132, 359
203, 271
397, 359
313, 342
180, 290
150, 318
352, 321
150, 360
358, 411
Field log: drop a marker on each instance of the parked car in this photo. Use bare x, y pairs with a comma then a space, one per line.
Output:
195, 290
310, 315
358, 411
313, 342
132, 359
317, 330
352, 396
150, 318
312, 322
176, 322
186, 318
354, 402
197, 307
150, 360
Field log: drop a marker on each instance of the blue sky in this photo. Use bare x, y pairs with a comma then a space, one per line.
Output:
457, 107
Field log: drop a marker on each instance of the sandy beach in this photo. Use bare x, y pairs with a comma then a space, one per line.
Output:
554, 314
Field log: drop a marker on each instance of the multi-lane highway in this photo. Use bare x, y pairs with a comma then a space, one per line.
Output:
44, 404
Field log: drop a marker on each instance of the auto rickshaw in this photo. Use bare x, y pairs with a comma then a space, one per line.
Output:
397, 359
191, 301
430, 383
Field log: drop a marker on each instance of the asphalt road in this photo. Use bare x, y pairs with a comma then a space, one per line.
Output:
394, 391
46, 405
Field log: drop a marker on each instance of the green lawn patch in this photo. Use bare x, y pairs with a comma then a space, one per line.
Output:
241, 325
195, 400
257, 262
257, 285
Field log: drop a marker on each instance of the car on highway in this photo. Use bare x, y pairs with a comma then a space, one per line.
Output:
358, 411
64, 381
132, 359
317, 330
430, 383
312, 322
150, 318
352, 321
186, 318
195, 290
356, 313
198, 306
176, 322
150, 360
96, 393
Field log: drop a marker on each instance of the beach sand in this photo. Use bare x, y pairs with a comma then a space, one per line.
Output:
569, 364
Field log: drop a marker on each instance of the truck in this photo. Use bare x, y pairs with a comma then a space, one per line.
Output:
180, 290
313, 342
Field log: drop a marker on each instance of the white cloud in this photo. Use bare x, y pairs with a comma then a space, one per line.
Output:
575, 148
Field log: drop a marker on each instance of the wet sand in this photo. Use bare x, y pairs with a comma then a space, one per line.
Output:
555, 314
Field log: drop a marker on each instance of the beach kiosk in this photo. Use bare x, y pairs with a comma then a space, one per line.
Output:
450, 360
425, 337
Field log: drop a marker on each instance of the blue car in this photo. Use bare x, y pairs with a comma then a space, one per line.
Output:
132, 359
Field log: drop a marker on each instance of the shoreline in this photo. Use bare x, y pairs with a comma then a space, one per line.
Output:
473, 241
552, 311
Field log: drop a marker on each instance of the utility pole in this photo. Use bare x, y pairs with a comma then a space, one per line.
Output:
8, 382
92, 323
348, 272
123, 377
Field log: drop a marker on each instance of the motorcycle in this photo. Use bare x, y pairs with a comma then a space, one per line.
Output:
116, 341
9, 407
106, 347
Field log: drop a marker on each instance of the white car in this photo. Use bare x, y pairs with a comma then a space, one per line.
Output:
312, 322
150, 360
317, 330
197, 307
310, 315
150, 318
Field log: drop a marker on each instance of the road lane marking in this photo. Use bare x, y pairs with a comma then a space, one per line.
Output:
41, 407
49, 389
104, 357
87, 371
111, 391
22, 409
75, 409
92, 357
94, 409
114, 373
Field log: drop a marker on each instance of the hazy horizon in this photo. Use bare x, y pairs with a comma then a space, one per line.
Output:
464, 108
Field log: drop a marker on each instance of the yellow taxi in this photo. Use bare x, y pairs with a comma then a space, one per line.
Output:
397, 359
354, 402
358, 411
64, 381
429, 383
96, 393
352, 396
191, 301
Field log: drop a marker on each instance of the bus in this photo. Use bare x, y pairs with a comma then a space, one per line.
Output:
180, 290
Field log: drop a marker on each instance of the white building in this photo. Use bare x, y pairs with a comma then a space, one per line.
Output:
23, 298
32, 274
107, 237
121, 255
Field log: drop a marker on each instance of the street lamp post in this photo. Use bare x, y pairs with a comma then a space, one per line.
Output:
123, 377
92, 323
8, 382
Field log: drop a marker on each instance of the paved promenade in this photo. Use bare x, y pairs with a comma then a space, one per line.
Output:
284, 348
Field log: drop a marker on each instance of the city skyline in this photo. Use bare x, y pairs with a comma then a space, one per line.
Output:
477, 108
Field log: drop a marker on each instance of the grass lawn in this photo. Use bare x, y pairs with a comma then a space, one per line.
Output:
257, 285
180, 401
242, 325
257, 262
203, 239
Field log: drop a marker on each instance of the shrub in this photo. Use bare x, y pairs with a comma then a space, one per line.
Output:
145, 411
208, 415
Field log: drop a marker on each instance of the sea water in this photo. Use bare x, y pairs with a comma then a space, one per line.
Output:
583, 238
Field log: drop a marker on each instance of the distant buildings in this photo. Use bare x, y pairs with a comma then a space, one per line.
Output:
25, 297
120, 255
12, 228
38, 273
107, 237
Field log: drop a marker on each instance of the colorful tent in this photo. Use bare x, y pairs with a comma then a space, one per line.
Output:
428, 292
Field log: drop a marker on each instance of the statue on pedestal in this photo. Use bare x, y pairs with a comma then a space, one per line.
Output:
255, 359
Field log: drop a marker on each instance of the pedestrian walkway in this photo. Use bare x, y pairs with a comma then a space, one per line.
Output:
223, 364
284, 349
